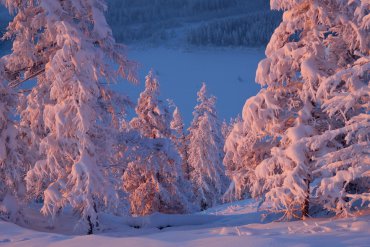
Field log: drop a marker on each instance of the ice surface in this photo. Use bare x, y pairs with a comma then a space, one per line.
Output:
229, 74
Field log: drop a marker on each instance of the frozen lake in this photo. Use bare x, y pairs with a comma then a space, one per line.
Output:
229, 74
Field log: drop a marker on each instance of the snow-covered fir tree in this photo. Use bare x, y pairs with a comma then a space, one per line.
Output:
12, 165
314, 109
153, 115
342, 160
154, 178
226, 128
67, 46
243, 152
205, 152
180, 140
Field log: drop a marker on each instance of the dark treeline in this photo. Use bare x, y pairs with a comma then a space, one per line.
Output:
202, 22
198, 22
252, 30
142, 11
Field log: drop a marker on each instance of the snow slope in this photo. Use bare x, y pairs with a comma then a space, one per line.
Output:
236, 22
236, 224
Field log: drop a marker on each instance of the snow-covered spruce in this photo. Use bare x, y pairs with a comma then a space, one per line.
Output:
243, 152
180, 140
314, 109
205, 152
68, 44
154, 178
153, 115
12, 165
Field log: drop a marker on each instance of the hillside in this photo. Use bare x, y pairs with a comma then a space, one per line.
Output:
193, 22
220, 23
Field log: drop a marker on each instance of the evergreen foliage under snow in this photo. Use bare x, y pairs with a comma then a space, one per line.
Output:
205, 152
313, 112
301, 147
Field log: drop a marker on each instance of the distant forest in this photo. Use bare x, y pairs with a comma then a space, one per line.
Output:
197, 22
194, 22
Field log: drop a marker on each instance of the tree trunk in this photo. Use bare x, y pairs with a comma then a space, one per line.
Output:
91, 226
306, 203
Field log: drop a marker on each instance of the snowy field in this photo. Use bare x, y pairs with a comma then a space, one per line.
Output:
237, 224
229, 74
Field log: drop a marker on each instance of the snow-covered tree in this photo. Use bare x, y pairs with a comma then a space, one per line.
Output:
69, 47
205, 152
12, 167
226, 128
178, 137
154, 178
342, 162
26, 62
153, 115
243, 152
314, 109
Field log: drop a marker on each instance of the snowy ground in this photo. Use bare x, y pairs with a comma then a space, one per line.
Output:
233, 225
